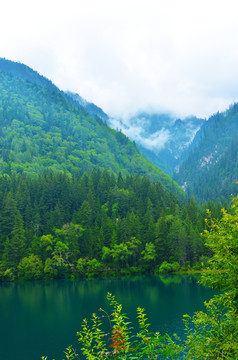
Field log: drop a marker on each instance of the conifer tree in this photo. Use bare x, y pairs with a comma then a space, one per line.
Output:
15, 243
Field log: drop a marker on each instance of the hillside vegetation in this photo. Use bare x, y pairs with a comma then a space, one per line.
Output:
56, 226
40, 129
211, 169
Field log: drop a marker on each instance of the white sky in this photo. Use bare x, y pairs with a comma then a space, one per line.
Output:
128, 55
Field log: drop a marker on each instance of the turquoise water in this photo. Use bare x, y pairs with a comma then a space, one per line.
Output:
42, 318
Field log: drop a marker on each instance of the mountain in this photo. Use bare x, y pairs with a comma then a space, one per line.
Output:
77, 197
24, 72
211, 168
162, 138
91, 108
41, 129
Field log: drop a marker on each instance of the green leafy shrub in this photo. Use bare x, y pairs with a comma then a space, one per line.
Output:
120, 342
9, 274
30, 267
213, 334
166, 267
89, 267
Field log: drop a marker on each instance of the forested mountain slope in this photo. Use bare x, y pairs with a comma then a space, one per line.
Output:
91, 108
40, 129
24, 72
211, 168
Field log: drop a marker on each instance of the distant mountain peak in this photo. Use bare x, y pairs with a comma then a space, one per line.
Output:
162, 138
24, 72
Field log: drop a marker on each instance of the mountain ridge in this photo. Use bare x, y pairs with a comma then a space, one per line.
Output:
153, 127
41, 128
195, 152
163, 138
93, 110
24, 72
210, 170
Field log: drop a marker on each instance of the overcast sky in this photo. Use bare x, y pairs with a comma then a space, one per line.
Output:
128, 55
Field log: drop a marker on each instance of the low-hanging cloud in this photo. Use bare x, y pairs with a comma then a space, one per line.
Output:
154, 142
127, 55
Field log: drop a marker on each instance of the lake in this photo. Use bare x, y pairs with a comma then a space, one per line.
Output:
42, 318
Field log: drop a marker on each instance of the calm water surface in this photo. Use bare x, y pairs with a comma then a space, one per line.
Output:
42, 318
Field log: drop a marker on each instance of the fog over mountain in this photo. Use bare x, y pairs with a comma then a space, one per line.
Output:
162, 137
130, 55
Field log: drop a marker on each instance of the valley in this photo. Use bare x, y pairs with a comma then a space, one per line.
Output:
89, 198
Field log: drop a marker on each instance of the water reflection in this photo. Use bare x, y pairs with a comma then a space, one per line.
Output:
41, 318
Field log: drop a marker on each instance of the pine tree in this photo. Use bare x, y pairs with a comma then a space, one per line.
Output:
8, 214
15, 243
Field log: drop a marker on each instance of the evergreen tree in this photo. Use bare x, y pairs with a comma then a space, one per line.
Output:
15, 244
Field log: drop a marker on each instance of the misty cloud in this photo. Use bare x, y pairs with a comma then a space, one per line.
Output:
127, 56
154, 142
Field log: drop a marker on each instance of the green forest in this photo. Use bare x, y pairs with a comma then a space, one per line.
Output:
57, 226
